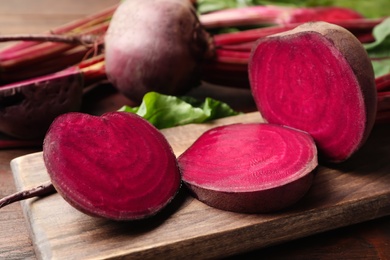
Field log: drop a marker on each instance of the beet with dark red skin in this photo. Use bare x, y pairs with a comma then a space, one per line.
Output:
27, 108
116, 166
155, 45
250, 168
317, 78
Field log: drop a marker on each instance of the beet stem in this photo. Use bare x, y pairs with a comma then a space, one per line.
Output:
42, 53
243, 16
41, 190
76, 39
74, 26
276, 15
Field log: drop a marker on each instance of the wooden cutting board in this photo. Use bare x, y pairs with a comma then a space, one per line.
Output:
354, 191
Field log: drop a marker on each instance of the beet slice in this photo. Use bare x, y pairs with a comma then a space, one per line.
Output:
250, 168
317, 78
117, 166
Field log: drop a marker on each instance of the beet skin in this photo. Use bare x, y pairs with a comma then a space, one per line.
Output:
155, 45
27, 108
117, 166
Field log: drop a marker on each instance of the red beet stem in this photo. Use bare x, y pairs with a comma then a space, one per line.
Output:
75, 26
93, 31
249, 35
383, 83
41, 190
69, 39
243, 16
383, 101
272, 15
91, 69
94, 72
47, 66
246, 46
44, 53
358, 27
232, 56
226, 74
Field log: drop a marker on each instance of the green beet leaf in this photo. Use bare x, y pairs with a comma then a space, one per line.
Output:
381, 67
165, 111
380, 48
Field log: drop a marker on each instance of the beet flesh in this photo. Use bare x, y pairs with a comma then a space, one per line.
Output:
250, 168
155, 45
27, 108
116, 166
317, 78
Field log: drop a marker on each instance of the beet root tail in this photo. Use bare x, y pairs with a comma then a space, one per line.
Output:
41, 190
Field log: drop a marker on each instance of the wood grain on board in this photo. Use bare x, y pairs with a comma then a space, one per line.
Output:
342, 194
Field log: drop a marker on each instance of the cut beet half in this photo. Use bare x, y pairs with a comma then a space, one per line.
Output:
317, 78
250, 168
117, 166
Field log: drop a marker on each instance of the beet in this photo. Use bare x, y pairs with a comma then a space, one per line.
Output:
250, 168
155, 45
317, 78
117, 166
27, 108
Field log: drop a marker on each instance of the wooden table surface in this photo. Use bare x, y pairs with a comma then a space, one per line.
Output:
370, 240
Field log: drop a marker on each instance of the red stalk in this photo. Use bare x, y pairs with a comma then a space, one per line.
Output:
232, 56
45, 55
48, 66
93, 70
75, 26
41, 190
226, 74
383, 101
246, 46
249, 35
243, 16
359, 27
97, 30
269, 14
383, 83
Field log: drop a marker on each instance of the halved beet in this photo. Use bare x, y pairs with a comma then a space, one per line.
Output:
317, 78
250, 168
117, 166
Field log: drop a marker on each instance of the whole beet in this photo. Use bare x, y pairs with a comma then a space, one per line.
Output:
155, 45
27, 108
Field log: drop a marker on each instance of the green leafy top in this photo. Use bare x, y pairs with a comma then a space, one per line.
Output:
379, 50
165, 111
